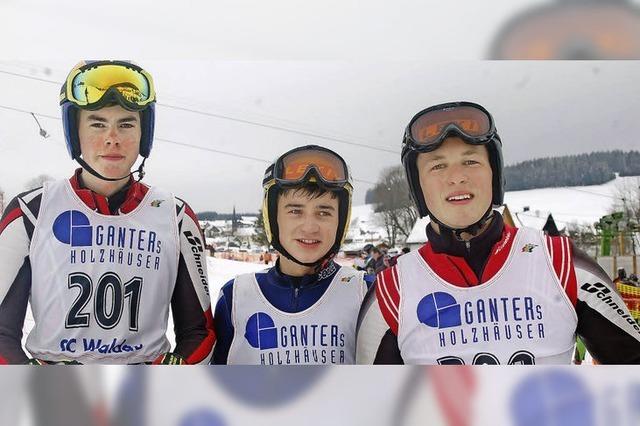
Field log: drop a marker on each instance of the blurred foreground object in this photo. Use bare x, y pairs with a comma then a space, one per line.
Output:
387, 396
572, 29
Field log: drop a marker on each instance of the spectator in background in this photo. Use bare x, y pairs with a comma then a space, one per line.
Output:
373, 260
267, 257
394, 259
386, 262
359, 263
621, 277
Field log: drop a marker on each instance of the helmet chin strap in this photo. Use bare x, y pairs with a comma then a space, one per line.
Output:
472, 229
87, 167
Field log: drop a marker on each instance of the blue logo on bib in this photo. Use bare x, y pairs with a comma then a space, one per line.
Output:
439, 310
73, 227
261, 331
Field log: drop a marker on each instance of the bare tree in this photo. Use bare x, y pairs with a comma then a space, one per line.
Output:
584, 237
628, 199
628, 202
260, 235
393, 200
38, 181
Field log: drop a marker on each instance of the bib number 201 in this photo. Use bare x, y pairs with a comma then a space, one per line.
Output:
109, 300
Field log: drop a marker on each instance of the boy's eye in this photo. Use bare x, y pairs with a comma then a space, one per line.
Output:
438, 166
471, 162
324, 213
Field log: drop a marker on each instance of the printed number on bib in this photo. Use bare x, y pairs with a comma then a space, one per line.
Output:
108, 300
485, 358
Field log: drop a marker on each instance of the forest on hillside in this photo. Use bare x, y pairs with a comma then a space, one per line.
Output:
572, 170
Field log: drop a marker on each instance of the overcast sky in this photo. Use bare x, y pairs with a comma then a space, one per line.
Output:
263, 67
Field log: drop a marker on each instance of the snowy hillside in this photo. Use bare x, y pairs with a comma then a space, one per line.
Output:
579, 204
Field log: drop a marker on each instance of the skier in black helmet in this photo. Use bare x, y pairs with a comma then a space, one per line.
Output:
479, 291
304, 309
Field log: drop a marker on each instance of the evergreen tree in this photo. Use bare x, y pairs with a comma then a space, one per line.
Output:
572, 170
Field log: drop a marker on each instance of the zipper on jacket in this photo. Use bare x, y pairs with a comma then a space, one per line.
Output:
296, 291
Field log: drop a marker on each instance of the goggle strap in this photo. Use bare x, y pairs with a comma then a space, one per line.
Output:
312, 171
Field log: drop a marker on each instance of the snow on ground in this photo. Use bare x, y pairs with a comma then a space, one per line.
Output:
222, 270
365, 226
418, 234
363, 217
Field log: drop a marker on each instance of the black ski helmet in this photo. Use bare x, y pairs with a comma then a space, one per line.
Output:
411, 149
273, 186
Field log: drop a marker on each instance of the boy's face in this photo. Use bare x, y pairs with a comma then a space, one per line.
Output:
307, 227
110, 139
456, 182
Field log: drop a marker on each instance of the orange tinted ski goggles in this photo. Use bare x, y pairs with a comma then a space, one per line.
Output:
308, 164
429, 128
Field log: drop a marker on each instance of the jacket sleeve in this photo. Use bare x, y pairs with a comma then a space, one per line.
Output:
190, 302
223, 324
377, 340
608, 330
16, 227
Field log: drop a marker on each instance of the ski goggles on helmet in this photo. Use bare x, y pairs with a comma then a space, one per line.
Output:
429, 128
93, 84
309, 164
